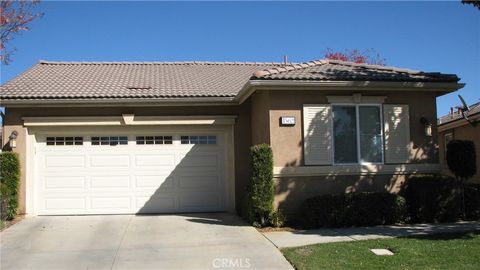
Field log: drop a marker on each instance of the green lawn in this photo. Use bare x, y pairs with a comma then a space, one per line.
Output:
442, 251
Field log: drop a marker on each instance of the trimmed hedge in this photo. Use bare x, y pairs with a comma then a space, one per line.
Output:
259, 201
437, 198
9, 184
353, 209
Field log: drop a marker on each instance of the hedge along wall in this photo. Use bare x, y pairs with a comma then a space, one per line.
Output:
10, 182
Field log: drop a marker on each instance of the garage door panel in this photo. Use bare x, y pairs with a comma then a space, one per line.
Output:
110, 161
110, 182
154, 181
154, 160
157, 204
199, 160
65, 204
110, 203
198, 182
64, 182
64, 161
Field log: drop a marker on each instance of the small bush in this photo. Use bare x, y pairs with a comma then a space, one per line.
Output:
472, 201
259, 201
461, 158
277, 219
432, 198
353, 209
9, 184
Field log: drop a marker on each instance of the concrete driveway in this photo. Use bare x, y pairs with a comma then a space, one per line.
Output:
196, 241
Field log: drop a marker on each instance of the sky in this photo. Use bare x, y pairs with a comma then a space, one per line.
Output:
428, 36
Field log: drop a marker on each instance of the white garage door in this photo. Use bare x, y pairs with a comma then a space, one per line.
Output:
134, 172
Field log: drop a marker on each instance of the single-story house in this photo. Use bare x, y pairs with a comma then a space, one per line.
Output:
454, 126
170, 137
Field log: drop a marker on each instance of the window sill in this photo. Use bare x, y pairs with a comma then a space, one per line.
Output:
357, 169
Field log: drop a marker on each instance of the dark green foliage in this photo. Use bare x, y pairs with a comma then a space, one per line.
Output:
259, 201
353, 209
277, 218
432, 198
438, 198
475, 3
9, 184
461, 159
472, 201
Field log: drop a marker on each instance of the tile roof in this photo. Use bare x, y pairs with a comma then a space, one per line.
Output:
83, 80
106, 80
456, 115
335, 70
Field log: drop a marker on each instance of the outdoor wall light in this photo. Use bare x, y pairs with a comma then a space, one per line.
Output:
427, 126
13, 139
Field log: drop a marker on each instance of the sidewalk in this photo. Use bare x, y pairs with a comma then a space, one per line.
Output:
308, 237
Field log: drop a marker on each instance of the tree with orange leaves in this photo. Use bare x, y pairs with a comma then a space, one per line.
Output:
15, 15
369, 56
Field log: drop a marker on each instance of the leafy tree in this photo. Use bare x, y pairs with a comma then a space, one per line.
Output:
15, 15
475, 3
461, 161
369, 56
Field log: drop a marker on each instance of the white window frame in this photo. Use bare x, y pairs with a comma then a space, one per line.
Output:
357, 115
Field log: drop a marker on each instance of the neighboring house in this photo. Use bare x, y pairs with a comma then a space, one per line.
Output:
453, 126
120, 137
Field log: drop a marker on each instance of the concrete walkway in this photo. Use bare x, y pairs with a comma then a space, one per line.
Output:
284, 239
193, 241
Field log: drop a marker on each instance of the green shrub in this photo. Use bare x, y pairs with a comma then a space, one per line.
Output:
277, 219
472, 201
9, 184
461, 158
259, 201
353, 209
432, 198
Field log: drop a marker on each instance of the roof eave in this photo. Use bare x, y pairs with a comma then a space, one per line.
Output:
440, 88
457, 122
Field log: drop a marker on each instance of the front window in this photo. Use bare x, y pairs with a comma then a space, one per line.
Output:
357, 134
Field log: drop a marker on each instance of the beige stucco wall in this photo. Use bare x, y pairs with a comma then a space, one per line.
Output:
463, 132
260, 119
242, 133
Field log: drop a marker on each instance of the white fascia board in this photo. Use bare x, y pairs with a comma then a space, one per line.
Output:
128, 119
254, 85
